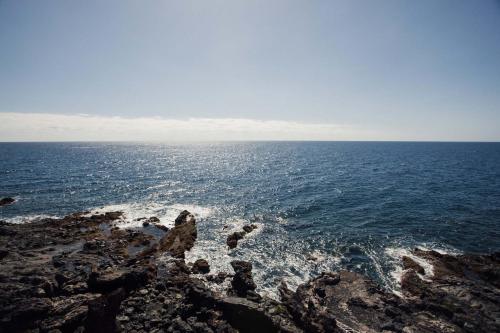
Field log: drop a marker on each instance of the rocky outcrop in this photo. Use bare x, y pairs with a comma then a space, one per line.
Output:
232, 239
84, 274
7, 201
181, 237
462, 295
242, 283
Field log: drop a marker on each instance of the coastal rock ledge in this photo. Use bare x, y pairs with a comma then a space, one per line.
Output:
82, 273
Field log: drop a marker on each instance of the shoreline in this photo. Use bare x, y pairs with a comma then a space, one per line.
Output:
71, 273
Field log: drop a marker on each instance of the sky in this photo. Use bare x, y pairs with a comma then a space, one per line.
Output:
249, 70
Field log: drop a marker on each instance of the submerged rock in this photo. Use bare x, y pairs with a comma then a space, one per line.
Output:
232, 239
249, 228
7, 201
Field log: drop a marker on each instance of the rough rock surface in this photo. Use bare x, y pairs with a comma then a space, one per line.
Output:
181, 237
83, 274
242, 283
200, 266
461, 296
232, 239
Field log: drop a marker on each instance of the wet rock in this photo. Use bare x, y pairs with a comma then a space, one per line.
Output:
113, 215
232, 239
79, 274
154, 219
249, 228
161, 227
7, 201
180, 238
145, 224
200, 266
184, 216
242, 281
409, 263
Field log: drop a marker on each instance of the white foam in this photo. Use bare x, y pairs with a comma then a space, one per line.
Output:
166, 213
395, 256
29, 218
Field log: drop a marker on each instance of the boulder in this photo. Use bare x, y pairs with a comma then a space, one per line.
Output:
200, 266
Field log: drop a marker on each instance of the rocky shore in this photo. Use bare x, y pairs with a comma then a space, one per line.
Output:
82, 273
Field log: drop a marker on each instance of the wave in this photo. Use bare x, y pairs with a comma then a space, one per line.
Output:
166, 213
29, 218
394, 256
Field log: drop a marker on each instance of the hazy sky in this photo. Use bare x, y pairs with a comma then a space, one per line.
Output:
319, 70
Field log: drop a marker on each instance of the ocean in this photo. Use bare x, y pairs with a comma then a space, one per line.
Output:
319, 206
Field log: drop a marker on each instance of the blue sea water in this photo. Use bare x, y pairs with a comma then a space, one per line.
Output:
319, 205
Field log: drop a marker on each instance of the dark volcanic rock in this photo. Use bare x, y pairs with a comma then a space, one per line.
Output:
201, 266
249, 228
83, 274
232, 240
409, 263
242, 282
181, 237
161, 227
461, 296
184, 216
7, 201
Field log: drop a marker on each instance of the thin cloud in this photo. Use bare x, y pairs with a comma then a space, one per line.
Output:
60, 127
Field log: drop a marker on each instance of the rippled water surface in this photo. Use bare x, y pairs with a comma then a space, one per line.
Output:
319, 206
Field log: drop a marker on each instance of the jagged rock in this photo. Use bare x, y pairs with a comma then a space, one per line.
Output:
7, 201
200, 266
307, 306
232, 239
242, 281
181, 237
409, 263
184, 216
80, 274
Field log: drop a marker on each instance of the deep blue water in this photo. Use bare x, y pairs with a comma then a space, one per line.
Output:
348, 204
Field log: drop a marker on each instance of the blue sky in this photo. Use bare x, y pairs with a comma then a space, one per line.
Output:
349, 70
